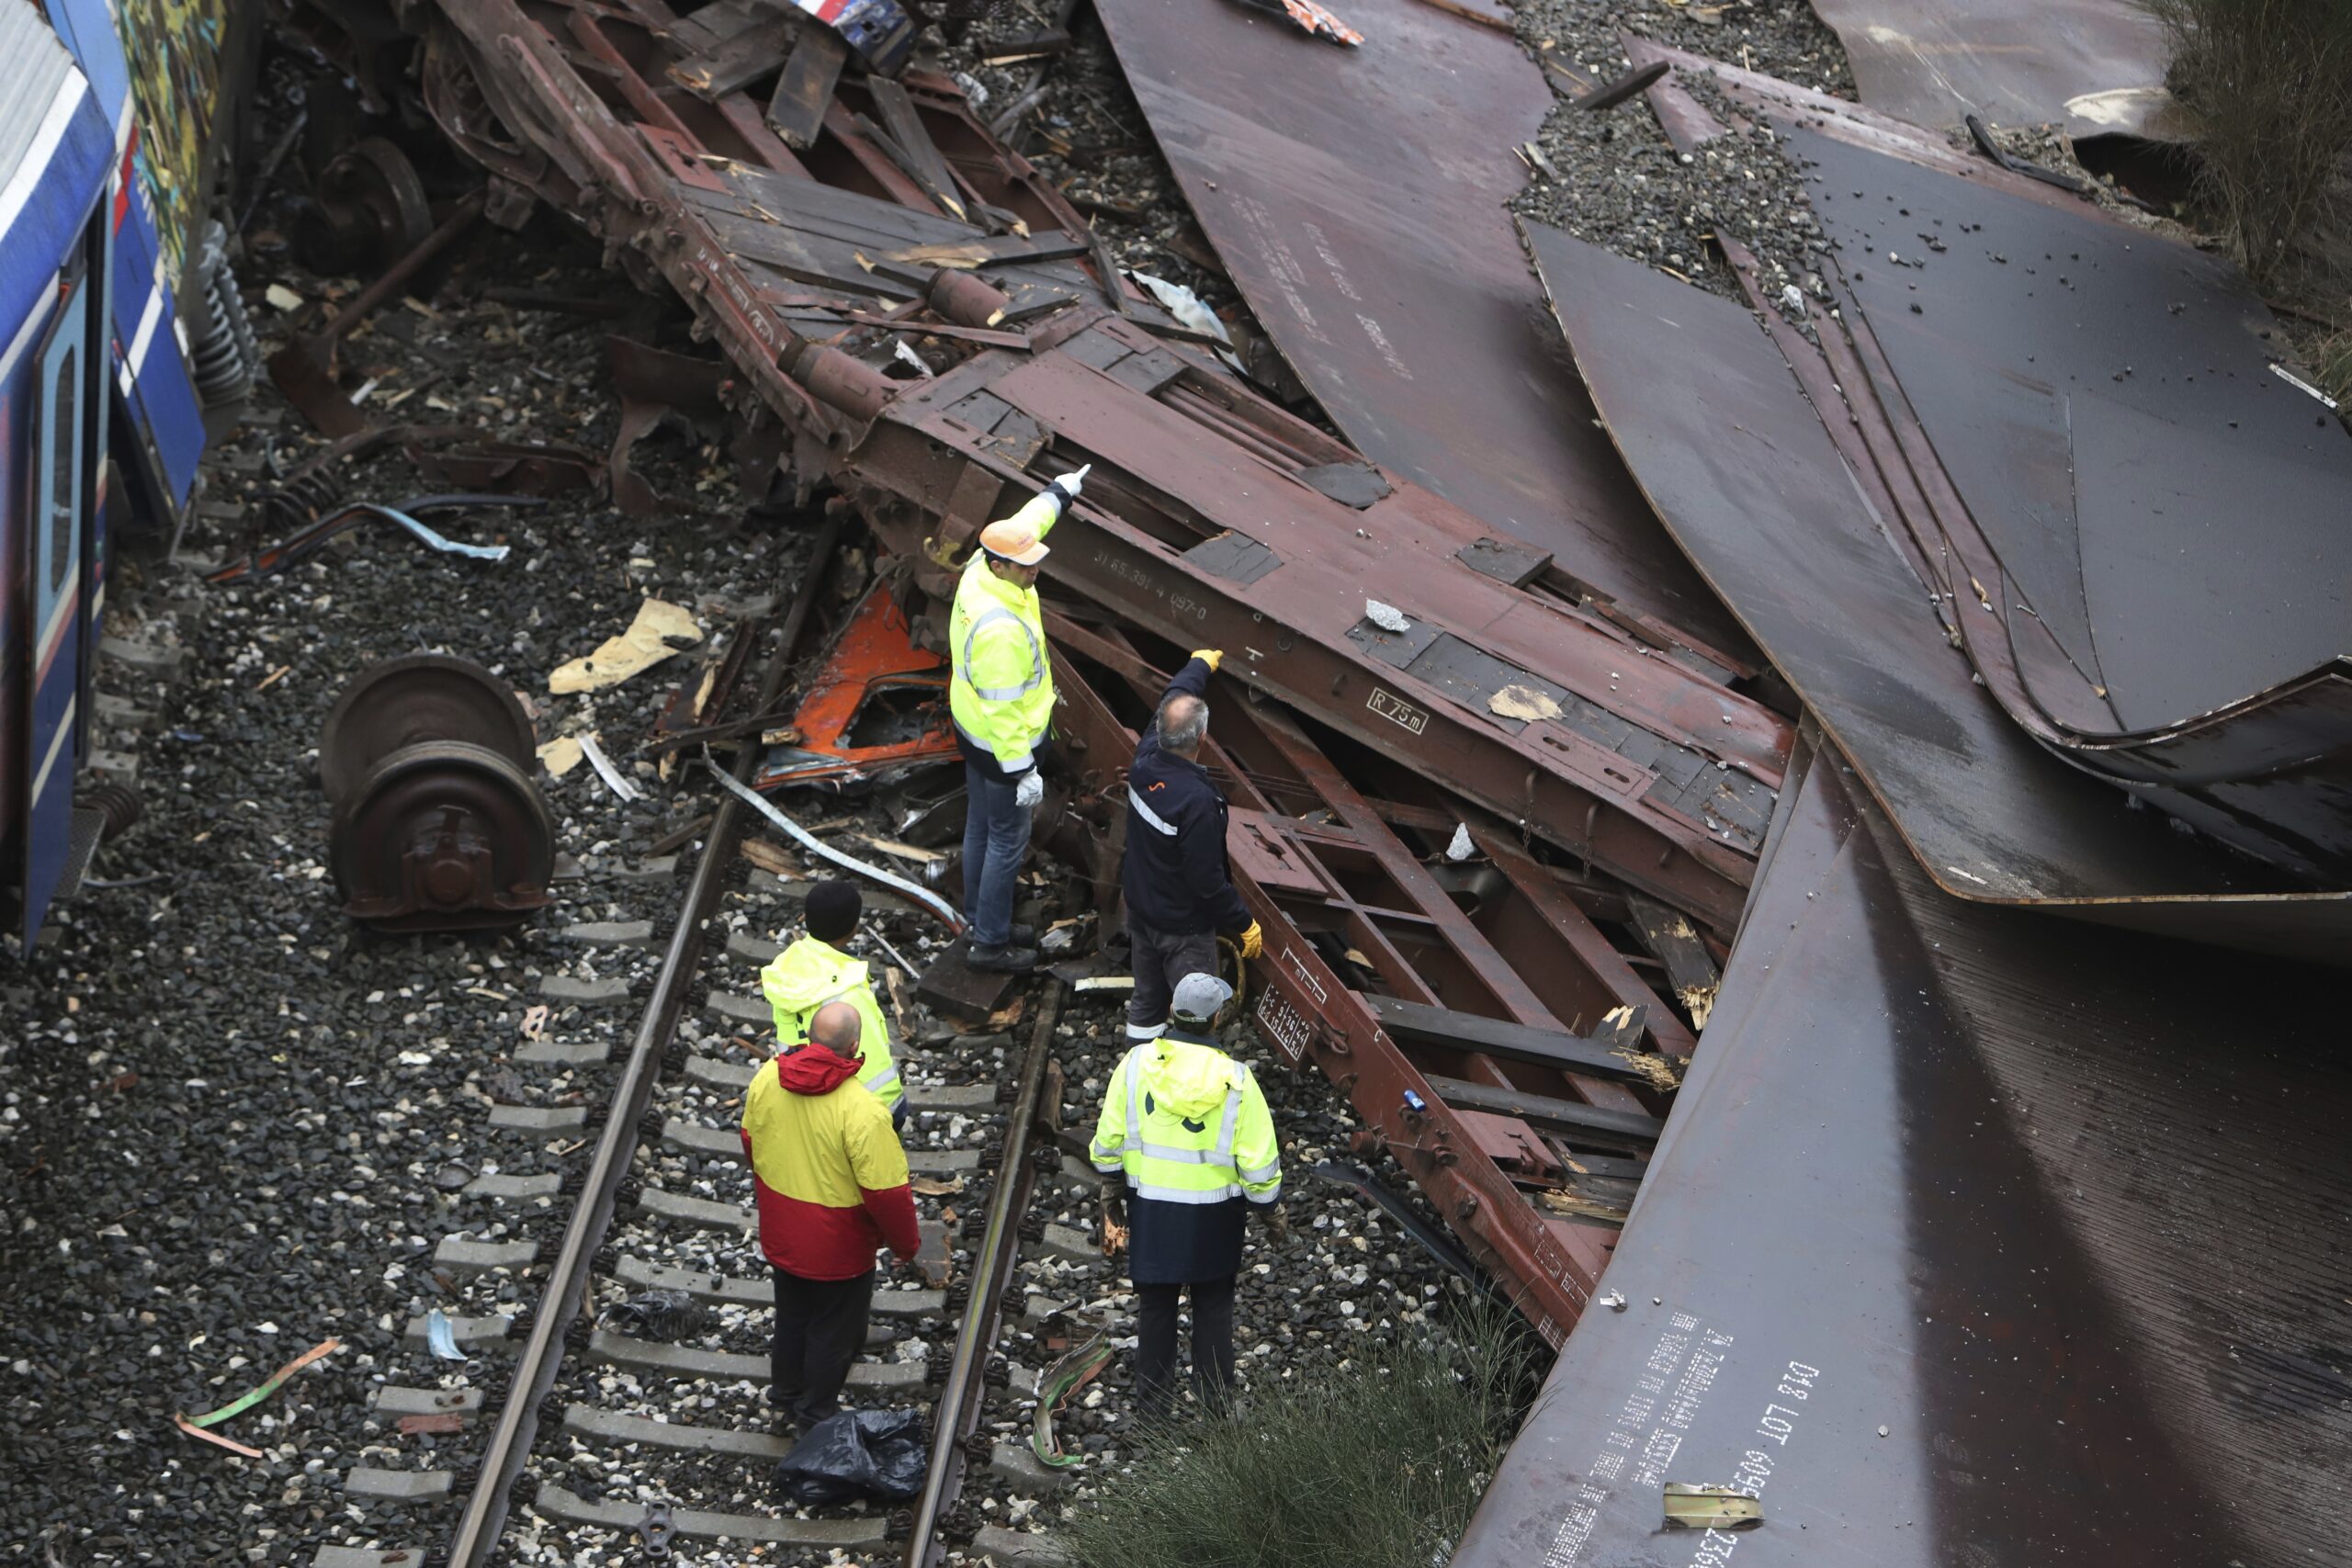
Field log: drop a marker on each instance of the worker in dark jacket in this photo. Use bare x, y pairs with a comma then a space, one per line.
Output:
1179, 896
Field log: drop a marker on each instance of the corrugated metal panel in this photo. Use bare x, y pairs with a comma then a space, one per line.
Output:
32, 62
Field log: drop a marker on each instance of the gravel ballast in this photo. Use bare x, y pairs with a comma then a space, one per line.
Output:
235, 1126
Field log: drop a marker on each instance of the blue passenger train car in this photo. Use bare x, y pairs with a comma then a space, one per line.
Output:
100, 421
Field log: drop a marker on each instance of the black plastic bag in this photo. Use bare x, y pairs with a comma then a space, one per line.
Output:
671, 1315
857, 1453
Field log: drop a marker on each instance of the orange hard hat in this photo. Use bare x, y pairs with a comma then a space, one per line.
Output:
1014, 539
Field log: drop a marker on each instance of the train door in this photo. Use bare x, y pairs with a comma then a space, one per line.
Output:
63, 424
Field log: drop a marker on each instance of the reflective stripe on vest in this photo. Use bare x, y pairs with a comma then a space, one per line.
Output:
1222, 1155
1037, 656
1152, 820
1013, 769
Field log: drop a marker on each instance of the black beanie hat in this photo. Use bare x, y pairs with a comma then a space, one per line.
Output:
833, 909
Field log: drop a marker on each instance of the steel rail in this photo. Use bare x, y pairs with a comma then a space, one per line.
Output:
484, 1520
956, 1416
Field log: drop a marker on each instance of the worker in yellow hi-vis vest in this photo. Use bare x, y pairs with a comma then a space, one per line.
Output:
1186, 1147
817, 969
1001, 691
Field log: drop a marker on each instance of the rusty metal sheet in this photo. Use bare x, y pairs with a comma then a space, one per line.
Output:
2096, 65
1738, 463
1747, 96
2156, 500
1357, 197
1976, 1238
1993, 298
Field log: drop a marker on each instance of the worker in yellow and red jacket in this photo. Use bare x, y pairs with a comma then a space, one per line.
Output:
831, 1185
1000, 694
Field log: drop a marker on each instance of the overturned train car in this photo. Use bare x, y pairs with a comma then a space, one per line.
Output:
101, 422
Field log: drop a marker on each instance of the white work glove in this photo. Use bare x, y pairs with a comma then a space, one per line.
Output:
1030, 790
1066, 484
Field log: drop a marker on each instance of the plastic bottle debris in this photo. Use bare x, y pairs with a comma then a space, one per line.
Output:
442, 1335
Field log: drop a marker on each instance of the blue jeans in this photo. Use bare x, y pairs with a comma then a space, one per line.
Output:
996, 838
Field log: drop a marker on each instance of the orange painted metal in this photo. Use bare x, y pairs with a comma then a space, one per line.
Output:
872, 661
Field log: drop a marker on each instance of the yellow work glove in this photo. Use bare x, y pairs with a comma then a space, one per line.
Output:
1253, 941
1212, 656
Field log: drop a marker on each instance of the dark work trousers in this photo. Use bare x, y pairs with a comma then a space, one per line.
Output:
1159, 960
1212, 1345
820, 1329
996, 837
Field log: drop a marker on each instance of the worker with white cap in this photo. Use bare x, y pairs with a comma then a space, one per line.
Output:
1186, 1146
1000, 691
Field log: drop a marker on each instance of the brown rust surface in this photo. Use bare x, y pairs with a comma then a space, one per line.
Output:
1978, 1238
2053, 355
1357, 197
2150, 513
2098, 65
1738, 463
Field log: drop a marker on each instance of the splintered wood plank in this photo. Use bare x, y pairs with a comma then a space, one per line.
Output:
946, 200
991, 251
797, 113
714, 24
905, 125
736, 63
1106, 268
803, 255
763, 145
1674, 940
875, 227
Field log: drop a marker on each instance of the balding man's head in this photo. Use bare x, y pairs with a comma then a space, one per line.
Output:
1183, 723
835, 1027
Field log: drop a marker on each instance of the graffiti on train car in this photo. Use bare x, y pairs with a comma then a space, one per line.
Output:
175, 50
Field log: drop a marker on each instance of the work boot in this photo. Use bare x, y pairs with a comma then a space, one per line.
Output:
1006, 960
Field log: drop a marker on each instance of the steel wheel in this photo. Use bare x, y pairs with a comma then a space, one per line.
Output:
442, 836
421, 697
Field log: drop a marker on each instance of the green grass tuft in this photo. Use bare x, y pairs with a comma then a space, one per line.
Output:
2332, 371
1364, 1466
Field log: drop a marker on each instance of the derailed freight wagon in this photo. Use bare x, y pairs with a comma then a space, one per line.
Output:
101, 420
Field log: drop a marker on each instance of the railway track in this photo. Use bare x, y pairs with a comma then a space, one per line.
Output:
576, 1421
